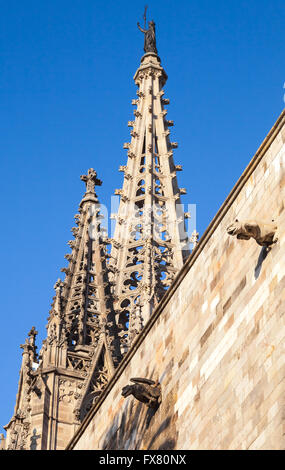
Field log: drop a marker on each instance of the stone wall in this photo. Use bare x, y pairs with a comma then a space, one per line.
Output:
215, 341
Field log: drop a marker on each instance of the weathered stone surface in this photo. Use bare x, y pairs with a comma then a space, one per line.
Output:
263, 233
216, 342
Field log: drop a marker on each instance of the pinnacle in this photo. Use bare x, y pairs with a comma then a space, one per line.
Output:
148, 246
90, 181
84, 298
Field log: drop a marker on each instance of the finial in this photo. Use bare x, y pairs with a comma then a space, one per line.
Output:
32, 342
58, 291
149, 35
91, 180
33, 332
58, 285
194, 239
144, 16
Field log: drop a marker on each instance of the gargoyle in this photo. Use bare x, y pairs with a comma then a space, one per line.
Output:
263, 233
145, 390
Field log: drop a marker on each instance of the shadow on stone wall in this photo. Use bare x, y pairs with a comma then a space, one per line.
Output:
262, 255
135, 427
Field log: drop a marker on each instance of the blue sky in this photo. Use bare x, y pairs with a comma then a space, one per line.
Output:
66, 86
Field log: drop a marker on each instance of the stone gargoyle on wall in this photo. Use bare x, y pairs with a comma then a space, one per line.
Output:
263, 233
145, 390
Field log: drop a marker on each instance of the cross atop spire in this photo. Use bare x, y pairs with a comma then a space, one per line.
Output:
33, 333
90, 181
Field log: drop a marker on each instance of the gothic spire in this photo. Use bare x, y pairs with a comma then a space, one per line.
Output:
80, 352
150, 244
86, 290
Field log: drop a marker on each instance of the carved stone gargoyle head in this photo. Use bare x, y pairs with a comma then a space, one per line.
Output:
263, 233
145, 390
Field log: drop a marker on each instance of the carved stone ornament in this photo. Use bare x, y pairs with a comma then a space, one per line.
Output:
263, 233
91, 180
145, 390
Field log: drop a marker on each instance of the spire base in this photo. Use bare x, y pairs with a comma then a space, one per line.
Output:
150, 54
88, 197
150, 62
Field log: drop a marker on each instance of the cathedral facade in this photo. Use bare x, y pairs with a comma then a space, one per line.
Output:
155, 340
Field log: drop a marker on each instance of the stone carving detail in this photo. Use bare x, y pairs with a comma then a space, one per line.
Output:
94, 384
91, 180
263, 233
97, 385
194, 237
66, 390
18, 434
145, 390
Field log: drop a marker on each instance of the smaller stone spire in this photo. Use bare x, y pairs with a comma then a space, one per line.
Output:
82, 347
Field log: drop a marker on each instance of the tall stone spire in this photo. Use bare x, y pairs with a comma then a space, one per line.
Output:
150, 244
80, 352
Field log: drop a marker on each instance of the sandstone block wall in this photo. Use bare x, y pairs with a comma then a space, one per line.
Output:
215, 342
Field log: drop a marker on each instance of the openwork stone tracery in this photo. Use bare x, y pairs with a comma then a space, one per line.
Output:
150, 244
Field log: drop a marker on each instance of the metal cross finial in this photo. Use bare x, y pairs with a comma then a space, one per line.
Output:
91, 180
144, 16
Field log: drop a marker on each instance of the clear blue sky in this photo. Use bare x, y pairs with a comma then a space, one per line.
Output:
66, 86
